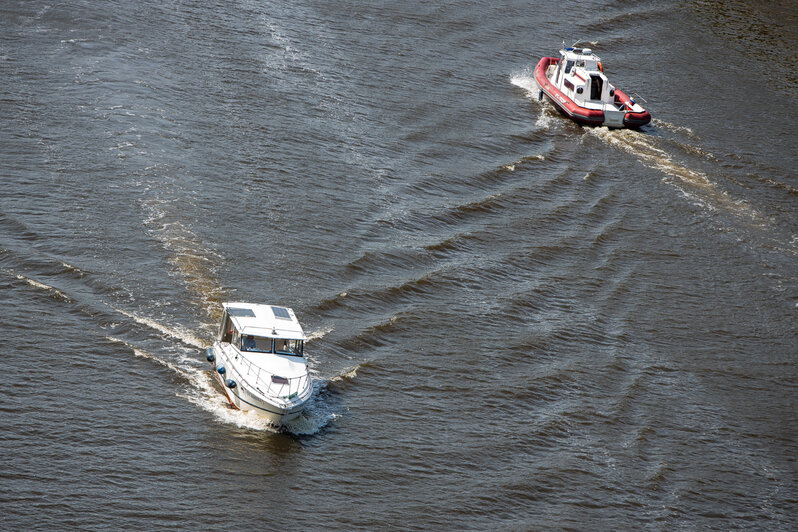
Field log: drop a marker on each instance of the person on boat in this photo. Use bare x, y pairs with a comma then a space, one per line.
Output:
248, 343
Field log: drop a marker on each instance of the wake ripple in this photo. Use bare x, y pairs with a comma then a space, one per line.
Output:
694, 184
200, 388
649, 150
53, 291
175, 332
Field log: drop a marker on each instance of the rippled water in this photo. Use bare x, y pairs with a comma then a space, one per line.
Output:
515, 322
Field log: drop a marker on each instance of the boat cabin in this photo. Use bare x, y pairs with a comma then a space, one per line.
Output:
262, 329
580, 76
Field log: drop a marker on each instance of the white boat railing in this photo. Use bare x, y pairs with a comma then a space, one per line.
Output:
275, 385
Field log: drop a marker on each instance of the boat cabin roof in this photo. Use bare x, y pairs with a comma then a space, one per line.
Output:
269, 321
582, 57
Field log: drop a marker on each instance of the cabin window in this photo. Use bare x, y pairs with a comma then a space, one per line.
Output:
288, 347
226, 330
568, 66
595, 87
568, 85
257, 344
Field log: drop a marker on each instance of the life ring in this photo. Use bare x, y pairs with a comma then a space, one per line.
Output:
601, 68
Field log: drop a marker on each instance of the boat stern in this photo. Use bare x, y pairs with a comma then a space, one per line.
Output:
637, 119
613, 117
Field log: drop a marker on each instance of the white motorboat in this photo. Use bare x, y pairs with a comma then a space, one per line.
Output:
258, 358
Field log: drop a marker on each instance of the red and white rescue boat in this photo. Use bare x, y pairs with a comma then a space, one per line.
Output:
576, 84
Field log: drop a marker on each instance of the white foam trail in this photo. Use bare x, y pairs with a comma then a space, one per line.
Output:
202, 389
644, 148
194, 261
317, 414
314, 418
202, 392
213, 401
545, 120
346, 374
71, 268
673, 127
321, 333
39, 285
144, 354
181, 334
526, 81
702, 189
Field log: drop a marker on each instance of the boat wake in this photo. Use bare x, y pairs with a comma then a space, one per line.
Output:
319, 334
200, 389
693, 184
194, 262
650, 150
347, 374
180, 368
170, 345
525, 80
203, 391
317, 415
178, 333
199, 386
53, 291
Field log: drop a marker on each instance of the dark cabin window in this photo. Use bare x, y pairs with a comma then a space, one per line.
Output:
568, 66
226, 332
595, 87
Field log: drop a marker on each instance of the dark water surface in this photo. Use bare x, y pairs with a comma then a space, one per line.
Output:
516, 322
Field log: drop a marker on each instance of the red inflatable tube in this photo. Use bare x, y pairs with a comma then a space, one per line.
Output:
583, 115
631, 119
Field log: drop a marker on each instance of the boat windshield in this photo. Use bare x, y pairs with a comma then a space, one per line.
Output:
282, 346
256, 344
288, 347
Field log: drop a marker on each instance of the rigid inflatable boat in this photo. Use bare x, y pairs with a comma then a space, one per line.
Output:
576, 84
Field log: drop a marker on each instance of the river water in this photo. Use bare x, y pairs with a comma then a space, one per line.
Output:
516, 322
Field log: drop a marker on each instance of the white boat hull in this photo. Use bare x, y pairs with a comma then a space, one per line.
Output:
246, 395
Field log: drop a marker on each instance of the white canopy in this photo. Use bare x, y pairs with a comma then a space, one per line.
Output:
268, 321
